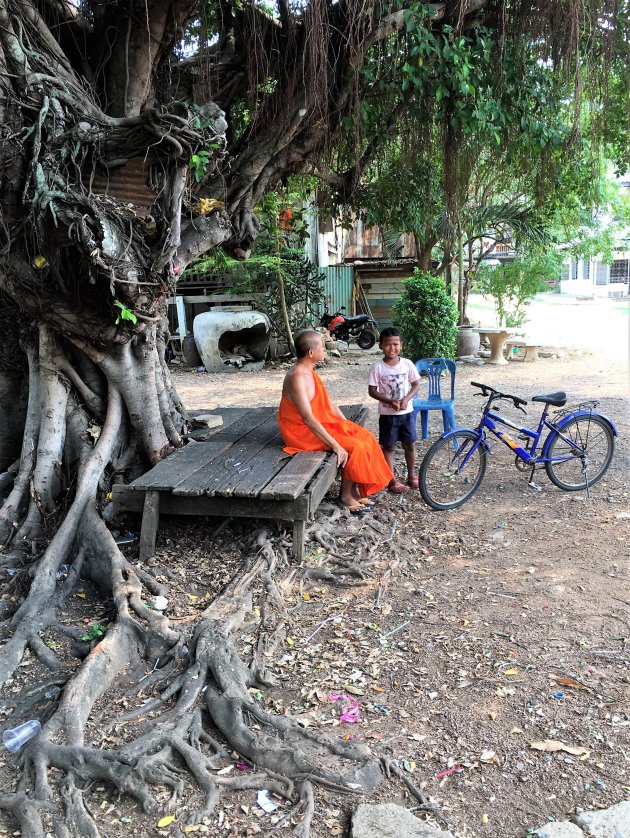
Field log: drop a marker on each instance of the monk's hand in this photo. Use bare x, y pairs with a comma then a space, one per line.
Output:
342, 456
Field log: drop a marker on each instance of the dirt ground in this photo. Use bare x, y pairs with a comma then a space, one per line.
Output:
505, 597
508, 623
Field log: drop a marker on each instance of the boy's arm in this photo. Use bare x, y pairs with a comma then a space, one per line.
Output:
373, 391
412, 392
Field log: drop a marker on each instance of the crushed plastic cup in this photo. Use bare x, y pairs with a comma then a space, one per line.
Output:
15, 738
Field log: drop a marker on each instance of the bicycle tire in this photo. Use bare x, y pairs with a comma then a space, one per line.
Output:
366, 339
441, 485
594, 436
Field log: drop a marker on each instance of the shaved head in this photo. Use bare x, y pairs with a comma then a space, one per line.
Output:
308, 339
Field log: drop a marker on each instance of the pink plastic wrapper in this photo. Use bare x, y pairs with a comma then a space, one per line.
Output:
351, 708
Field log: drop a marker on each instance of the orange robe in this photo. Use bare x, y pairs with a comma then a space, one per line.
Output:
366, 464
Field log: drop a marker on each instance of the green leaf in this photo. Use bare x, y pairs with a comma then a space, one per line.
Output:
125, 313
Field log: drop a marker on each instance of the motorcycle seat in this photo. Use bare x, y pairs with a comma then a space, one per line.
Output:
353, 321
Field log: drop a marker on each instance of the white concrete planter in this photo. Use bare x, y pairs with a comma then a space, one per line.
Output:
229, 341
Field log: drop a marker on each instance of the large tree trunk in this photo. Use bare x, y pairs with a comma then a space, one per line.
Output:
86, 398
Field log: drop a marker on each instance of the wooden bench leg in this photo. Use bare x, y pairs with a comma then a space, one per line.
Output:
149, 527
299, 530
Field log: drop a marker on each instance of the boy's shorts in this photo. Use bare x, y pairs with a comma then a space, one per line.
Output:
393, 429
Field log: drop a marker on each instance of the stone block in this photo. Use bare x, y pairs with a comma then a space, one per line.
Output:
388, 820
613, 822
559, 829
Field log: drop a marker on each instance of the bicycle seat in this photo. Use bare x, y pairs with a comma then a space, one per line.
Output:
556, 399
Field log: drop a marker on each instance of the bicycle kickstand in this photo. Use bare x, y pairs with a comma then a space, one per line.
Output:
531, 483
588, 485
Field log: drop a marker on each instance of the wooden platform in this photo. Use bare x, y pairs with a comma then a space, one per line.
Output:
240, 471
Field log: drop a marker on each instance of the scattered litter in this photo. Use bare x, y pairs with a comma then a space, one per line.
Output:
558, 695
265, 802
351, 708
394, 630
455, 769
15, 738
321, 625
62, 571
155, 666
52, 692
159, 603
242, 766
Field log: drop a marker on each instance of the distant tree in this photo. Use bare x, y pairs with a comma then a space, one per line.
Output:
514, 285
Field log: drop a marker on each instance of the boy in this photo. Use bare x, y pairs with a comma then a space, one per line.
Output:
393, 382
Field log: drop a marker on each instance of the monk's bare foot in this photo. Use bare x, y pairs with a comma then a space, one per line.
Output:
352, 505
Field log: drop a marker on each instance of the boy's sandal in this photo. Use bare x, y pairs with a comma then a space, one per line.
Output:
413, 483
397, 488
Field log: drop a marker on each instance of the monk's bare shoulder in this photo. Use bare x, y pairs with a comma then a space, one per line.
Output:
298, 380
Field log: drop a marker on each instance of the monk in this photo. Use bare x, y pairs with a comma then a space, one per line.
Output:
309, 421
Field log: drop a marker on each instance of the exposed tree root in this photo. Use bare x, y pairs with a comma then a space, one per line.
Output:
200, 703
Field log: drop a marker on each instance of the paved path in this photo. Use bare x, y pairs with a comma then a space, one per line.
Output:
562, 320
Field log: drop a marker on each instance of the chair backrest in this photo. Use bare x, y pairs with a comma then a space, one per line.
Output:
433, 369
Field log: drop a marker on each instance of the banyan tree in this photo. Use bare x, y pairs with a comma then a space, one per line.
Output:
135, 137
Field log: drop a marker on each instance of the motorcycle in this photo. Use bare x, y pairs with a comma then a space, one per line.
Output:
360, 328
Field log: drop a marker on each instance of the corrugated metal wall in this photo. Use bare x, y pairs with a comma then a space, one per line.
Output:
337, 287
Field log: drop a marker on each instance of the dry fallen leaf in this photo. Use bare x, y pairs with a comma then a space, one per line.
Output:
165, 821
570, 682
553, 745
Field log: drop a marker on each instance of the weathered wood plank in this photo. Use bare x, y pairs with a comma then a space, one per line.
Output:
263, 468
125, 498
149, 526
299, 530
289, 483
321, 483
222, 472
184, 462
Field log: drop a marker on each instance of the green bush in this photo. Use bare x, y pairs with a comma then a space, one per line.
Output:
426, 316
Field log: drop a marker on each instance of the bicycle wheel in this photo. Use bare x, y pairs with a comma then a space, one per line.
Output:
446, 481
593, 447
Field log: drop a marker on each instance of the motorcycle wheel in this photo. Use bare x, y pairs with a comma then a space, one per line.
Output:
366, 339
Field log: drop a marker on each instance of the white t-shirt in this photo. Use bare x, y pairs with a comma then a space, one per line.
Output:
393, 383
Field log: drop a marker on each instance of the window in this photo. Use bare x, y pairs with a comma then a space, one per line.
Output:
620, 270
574, 267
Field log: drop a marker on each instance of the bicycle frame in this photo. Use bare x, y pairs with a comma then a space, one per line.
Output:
491, 420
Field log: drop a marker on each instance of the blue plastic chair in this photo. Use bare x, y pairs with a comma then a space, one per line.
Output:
433, 369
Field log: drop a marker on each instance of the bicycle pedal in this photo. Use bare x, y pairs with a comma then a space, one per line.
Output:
534, 486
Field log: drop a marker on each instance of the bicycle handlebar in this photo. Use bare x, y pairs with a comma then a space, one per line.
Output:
486, 390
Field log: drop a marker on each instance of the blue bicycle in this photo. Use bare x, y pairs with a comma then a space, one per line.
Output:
576, 452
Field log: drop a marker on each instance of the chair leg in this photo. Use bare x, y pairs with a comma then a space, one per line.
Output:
424, 423
448, 418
